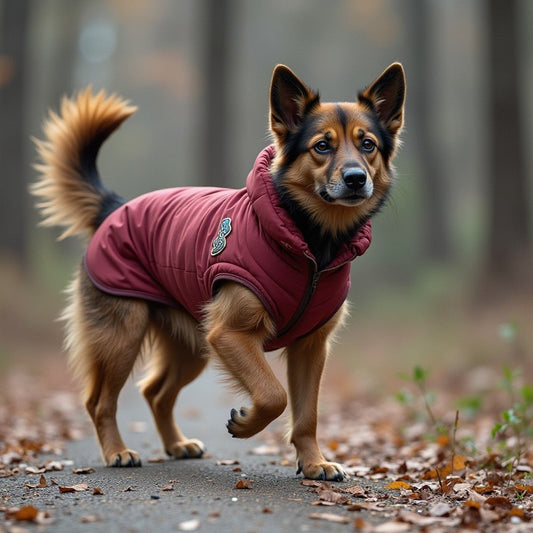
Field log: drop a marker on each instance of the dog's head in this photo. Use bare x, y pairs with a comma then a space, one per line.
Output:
334, 159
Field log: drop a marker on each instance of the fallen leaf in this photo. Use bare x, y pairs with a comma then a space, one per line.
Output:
86, 470
398, 485
244, 484
310, 483
515, 511
484, 489
35, 470
168, 487
499, 504
128, 489
332, 496
28, 513
330, 517
54, 466
40, 485
74, 488
355, 490
459, 463
227, 462
524, 488
97, 491
364, 506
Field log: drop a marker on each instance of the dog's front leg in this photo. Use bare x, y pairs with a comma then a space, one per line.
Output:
305, 363
237, 326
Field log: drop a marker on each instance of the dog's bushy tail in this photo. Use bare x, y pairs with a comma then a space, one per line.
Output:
69, 187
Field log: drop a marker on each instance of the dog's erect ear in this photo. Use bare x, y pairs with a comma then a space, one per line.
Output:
290, 100
386, 96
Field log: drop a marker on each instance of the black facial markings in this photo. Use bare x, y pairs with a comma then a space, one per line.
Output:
342, 118
296, 143
385, 139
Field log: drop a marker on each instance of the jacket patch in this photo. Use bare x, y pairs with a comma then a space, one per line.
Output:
219, 242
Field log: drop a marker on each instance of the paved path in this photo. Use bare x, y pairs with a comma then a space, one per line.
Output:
203, 492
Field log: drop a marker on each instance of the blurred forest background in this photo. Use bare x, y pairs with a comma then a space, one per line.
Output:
452, 254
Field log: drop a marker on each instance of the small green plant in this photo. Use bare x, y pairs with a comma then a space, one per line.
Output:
517, 420
419, 378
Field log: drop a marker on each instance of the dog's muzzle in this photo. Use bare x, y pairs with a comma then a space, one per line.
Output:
353, 187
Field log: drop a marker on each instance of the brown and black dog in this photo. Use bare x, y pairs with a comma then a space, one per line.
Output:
330, 173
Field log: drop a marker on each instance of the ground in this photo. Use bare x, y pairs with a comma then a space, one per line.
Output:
419, 449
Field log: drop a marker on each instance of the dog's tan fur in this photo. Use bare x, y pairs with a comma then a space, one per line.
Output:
106, 333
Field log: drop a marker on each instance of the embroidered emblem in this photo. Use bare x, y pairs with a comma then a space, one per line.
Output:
219, 242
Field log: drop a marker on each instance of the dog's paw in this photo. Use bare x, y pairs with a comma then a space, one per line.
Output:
243, 424
247, 422
237, 422
186, 449
124, 458
324, 471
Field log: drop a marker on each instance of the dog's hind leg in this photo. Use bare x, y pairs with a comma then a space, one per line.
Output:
176, 361
105, 338
237, 326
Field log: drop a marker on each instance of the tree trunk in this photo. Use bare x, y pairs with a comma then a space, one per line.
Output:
436, 238
13, 144
218, 17
509, 238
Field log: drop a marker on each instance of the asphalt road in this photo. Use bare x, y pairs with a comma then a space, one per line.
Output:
204, 497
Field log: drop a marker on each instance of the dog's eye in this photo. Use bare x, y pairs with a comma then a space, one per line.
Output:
322, 147
368, 145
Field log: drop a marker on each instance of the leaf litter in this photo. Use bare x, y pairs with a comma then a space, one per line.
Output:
410, 480
402, 478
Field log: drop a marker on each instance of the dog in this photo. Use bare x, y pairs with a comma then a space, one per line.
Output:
200, 273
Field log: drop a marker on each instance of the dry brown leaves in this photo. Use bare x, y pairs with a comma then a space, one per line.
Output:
34, 421
400, 512
27, 513
408, 482
244, 484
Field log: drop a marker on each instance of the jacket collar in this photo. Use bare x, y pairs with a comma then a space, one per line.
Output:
275, 220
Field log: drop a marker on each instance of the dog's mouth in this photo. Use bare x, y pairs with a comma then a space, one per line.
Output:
347, 200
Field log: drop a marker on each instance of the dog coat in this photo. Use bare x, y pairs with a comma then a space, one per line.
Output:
176, 246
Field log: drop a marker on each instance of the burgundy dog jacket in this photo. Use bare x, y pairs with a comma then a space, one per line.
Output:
176, 246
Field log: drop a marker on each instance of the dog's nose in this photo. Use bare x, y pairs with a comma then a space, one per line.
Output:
354, 178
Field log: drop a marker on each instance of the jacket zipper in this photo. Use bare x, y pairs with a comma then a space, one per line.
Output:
310, 290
